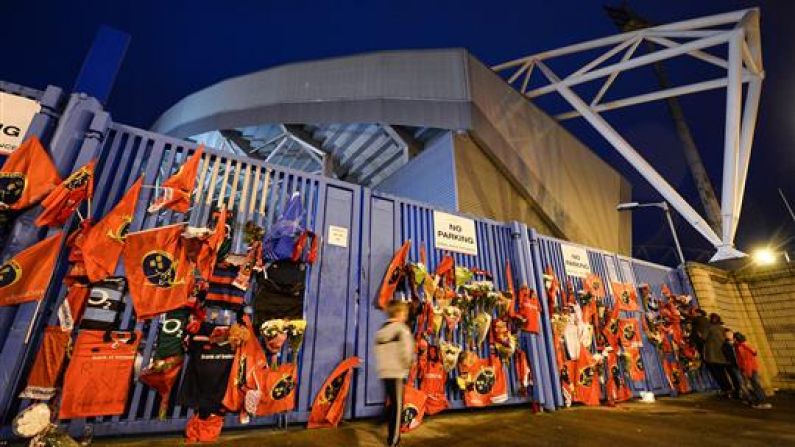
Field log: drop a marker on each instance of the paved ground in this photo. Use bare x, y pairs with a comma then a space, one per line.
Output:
697, 420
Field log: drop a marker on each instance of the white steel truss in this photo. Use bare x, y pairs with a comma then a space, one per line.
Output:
738, 30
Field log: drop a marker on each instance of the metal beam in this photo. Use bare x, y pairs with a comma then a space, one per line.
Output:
646, 59
655, 96
633, 157
731, 143
686, 25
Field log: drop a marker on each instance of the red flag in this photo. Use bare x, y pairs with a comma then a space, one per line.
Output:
27, 176
629, 333
446, 270
676, 378
587, 389
248, 371
329, 404
75, 240
26, 276
617, 387
103, 245
413, 410
64, 199
593, 285
635, 364
553, 286
158, 270
206, 259
394, 273
177, 188
625, 296
278, 390
509, 280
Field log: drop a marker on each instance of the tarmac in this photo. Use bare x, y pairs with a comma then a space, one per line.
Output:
693, 420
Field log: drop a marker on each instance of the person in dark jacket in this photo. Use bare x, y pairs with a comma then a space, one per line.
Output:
713, 354
700, 326
732, 368
394, 350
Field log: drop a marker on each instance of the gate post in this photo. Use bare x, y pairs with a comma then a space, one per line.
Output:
535, 253
543, 389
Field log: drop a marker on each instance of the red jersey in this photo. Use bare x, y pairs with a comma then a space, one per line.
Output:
529, 310
432, 384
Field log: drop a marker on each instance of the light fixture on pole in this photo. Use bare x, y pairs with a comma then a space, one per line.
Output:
629, 206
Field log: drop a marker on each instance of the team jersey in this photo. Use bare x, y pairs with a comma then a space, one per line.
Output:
206, 374
98, 377
432, 383
48, 364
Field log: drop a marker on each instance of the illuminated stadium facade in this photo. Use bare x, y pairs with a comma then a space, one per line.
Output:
434, 125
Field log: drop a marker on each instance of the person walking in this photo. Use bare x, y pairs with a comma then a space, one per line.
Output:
749, 368
713, 354
394, 347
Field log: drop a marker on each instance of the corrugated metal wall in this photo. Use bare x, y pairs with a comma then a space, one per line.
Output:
429, 177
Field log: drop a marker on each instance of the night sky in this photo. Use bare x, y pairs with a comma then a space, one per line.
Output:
180, 47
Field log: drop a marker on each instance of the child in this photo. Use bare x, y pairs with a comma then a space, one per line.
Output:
749, 367
732, 368
394, 348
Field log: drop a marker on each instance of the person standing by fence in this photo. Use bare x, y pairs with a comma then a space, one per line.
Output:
394, 347
714, 357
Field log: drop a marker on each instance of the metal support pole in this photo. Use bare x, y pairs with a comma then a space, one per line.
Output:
731, 149
673, 233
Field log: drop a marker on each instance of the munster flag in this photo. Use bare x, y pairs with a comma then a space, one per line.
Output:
394, 274
62, 201
27, 176
178, 187
25, 277
634, 362
587, 389
594, 286
104, 243
329, 404
158, 270
629, 333
209, 249
625, 296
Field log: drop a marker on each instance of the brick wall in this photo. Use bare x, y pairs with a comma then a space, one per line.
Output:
759, 302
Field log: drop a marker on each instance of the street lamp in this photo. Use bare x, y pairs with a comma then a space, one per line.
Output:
629, 206
767, 256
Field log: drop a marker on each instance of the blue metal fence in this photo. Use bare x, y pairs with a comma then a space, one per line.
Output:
388, 222
341, 286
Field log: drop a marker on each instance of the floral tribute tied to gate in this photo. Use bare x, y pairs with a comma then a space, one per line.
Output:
461, 323
598, 344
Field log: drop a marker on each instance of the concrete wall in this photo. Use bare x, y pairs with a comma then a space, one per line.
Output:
429, 177
759, 303
484, 191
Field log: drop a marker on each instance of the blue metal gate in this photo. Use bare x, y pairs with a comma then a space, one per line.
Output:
388, 222
341, 286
